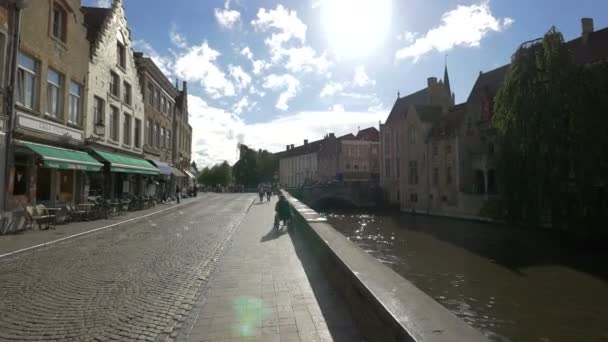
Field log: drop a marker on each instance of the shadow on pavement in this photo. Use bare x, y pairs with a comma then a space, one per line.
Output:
340, 324
273, 234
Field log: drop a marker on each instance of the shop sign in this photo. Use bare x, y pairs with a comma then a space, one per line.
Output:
38, 124
52, 164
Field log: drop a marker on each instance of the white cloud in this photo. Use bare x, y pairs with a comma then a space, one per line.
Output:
407, 36
305, 59
331, 88
165, 64
177, 38
199, 64
241, 105
337, 108
226, 17
103, 3
285, 82
216, 132
247, 52
361, 79
255, 91
287, 41
463, 26
240, 76
258, 64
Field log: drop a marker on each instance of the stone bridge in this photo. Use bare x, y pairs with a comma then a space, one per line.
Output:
348, 194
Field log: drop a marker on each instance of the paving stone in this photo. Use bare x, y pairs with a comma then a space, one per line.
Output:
264, 285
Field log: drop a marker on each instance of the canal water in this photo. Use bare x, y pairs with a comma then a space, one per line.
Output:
512, 284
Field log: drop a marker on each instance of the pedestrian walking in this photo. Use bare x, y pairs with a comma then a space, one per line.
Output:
177, 190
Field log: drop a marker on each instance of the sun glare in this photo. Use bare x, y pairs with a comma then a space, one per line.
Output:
355, 28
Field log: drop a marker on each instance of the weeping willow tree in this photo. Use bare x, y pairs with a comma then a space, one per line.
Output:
550, 117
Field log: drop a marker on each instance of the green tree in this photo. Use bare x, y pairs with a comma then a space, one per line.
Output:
254, 167
547, 116
218, 174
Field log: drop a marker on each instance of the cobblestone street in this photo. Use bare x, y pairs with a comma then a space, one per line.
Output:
135, 282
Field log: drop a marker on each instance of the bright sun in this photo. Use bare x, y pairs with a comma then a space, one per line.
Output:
355, 28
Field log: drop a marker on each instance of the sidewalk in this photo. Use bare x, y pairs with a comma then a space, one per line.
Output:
268, 288
34, 237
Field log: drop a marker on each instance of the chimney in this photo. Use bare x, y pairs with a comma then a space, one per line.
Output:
332, 135
431, 81
286, 147
291, 147
587, 26
305, 141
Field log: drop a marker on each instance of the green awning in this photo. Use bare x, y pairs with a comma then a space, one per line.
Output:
61, 158
127, 164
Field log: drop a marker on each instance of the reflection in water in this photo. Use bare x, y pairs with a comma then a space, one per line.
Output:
511, 284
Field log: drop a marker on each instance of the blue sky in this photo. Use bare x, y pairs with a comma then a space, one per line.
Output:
270, 73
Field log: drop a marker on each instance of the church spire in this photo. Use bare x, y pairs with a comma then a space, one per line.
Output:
446, 78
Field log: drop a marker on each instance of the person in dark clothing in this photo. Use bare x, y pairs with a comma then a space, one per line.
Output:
177, 191
282, 212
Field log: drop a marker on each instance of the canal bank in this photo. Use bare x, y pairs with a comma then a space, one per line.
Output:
385, 306
512, 284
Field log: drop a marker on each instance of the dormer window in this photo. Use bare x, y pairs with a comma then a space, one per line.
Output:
58, 25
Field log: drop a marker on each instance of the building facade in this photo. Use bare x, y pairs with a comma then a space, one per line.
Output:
436, 97
159, 113
51, 102
115, 123
349, 158
298, 166
182, 138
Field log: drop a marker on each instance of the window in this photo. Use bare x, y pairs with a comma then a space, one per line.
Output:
398, 168
157, 130
448, 149
127, 93
397, 141
115, 85
435, 175
168, 138
150, 94
75, 103
114, 123
126, 139
356, 167
412, 135
162, 137
414, 198
150, 135
137, 136
413, 176
99, 106
387, 167
348, 166
162, 104
491, 149
121, 55
448, 175
53, 93
157, 100
387, 140
26, 81
59, 23
435, 149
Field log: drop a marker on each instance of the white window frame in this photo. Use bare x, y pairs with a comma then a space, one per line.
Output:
54, 92
75, 104
27, 78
